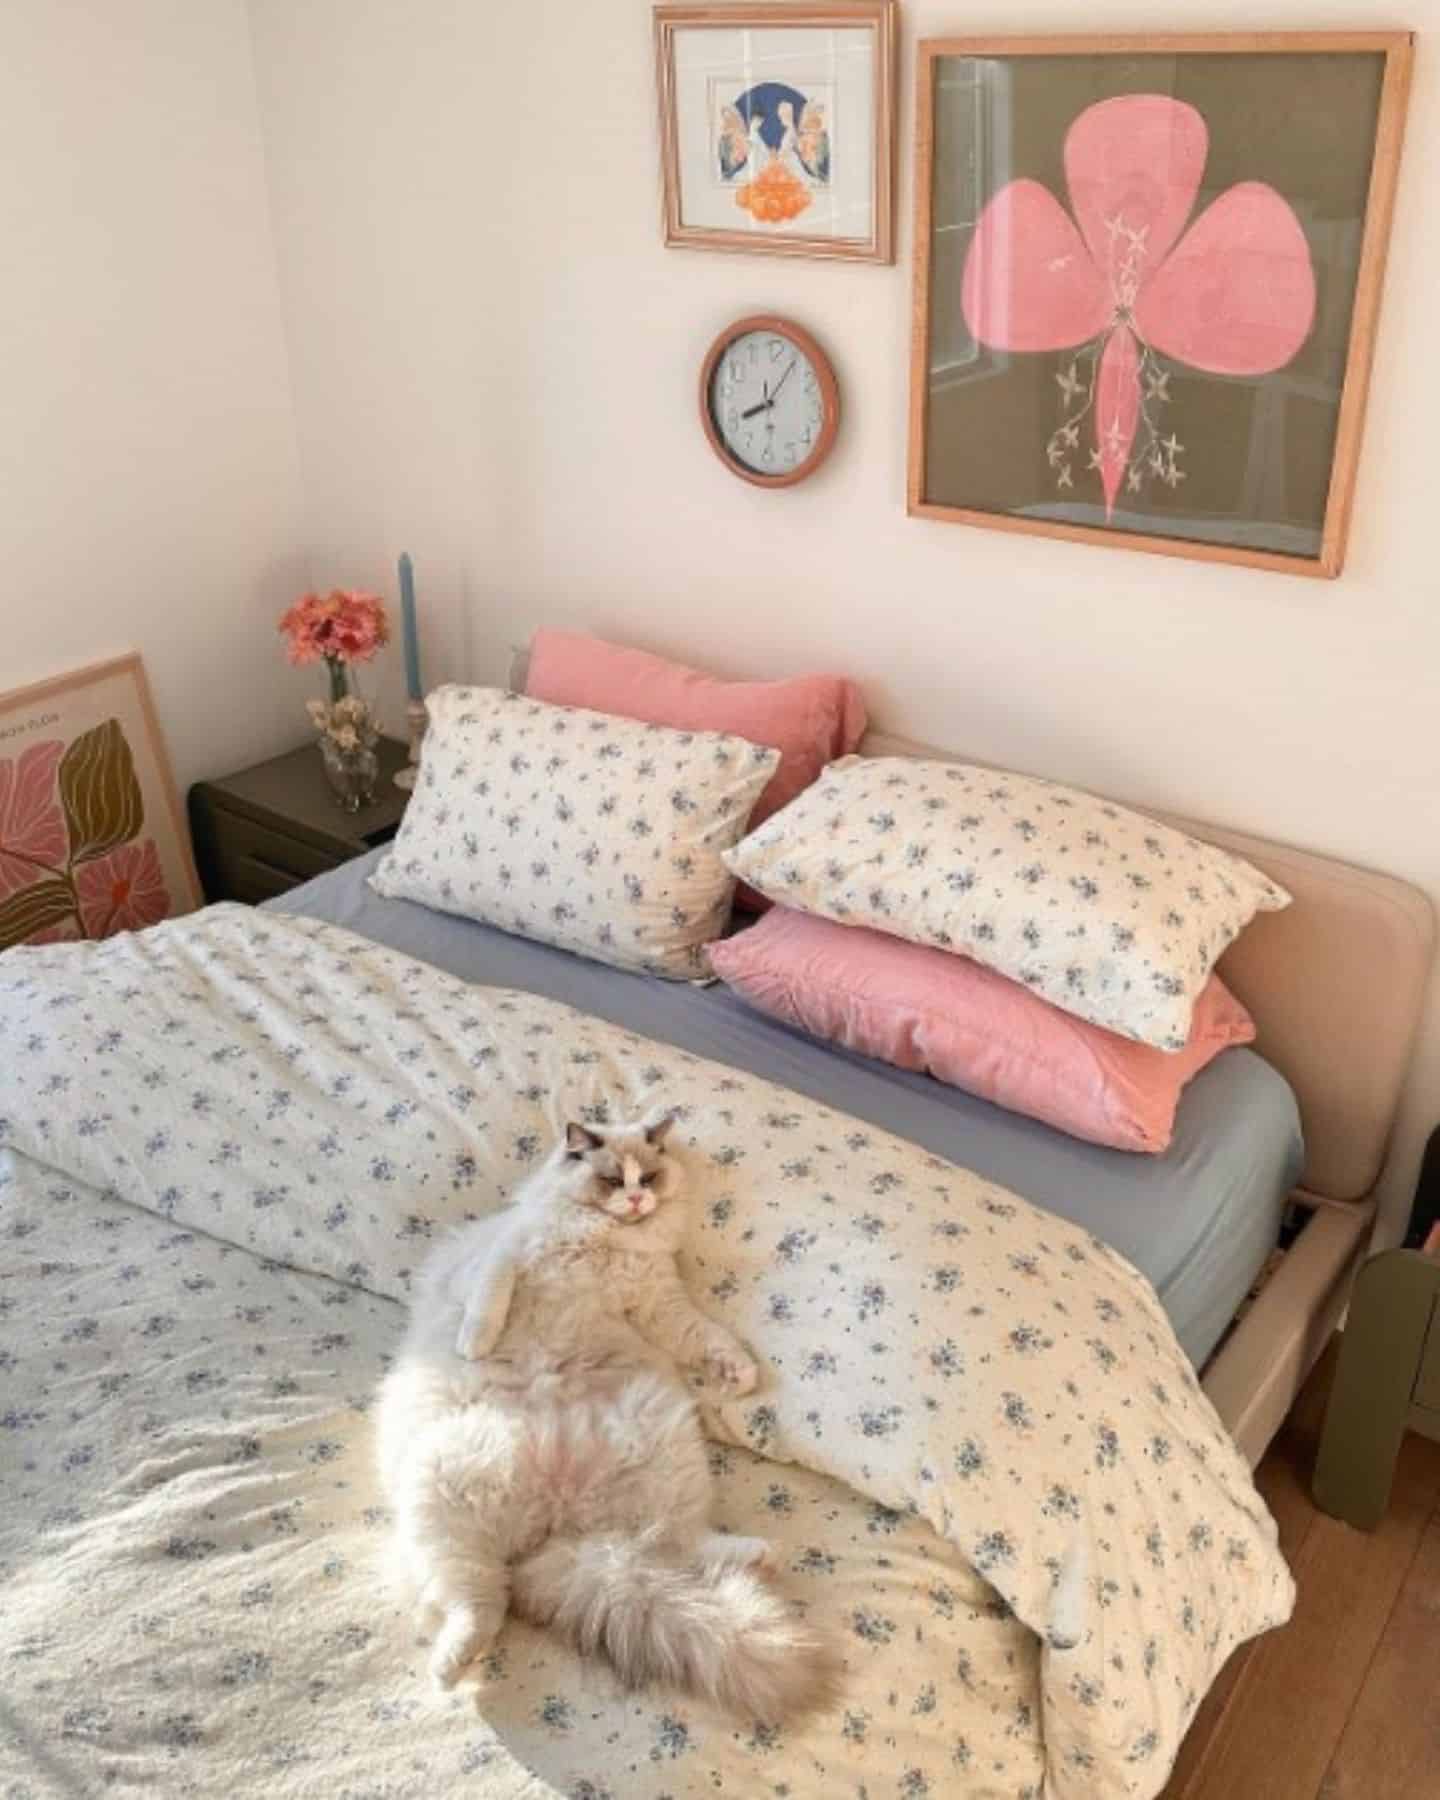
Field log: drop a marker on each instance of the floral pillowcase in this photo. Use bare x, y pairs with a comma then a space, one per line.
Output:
597, 834
1112, 917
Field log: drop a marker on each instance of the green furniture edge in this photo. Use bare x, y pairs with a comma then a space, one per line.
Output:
1388, 1379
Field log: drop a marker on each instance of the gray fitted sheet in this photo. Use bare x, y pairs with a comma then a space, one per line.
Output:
1199, 1220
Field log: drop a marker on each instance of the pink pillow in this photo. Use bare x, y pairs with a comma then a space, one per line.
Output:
921, 1008
810, 719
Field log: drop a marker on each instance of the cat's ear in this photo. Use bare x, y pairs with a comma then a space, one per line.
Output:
659, 1129
578, 1140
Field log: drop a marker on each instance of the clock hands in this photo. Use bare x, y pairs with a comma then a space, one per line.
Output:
762, 405
770, 399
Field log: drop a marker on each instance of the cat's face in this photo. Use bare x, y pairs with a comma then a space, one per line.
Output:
623, 1170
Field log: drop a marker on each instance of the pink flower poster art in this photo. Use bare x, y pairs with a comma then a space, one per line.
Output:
88, 825
1125, 279
1147, 287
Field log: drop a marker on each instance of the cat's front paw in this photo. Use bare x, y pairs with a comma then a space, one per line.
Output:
734, 1369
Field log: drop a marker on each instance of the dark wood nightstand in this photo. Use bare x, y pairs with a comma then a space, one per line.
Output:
266, 829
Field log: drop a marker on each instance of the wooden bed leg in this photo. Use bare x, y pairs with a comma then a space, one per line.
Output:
1370, 1401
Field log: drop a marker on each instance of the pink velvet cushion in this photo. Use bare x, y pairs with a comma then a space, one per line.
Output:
921, 1008
809, 719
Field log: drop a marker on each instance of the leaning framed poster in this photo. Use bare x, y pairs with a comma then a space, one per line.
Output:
777, 126
1147, 282
91, 836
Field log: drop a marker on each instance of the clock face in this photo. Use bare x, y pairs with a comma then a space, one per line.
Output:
771, 406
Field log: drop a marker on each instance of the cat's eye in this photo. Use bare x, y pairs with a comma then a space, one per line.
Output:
613, 1181
647, 1180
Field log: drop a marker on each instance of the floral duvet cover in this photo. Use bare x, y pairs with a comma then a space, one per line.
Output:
224, 1145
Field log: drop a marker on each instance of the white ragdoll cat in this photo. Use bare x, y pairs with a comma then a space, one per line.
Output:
541, 1451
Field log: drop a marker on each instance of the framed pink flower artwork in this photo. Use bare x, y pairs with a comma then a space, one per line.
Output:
1148, 279
92, 841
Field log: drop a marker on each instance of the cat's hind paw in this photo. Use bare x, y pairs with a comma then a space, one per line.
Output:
460, 1641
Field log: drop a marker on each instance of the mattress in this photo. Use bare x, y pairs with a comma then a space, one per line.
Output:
1198, 1221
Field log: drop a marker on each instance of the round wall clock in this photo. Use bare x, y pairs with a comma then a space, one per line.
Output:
769, 401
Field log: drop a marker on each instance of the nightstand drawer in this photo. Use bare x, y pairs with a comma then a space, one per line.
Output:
253, 863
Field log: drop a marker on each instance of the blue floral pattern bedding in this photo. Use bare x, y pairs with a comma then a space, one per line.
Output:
597, 834
1108, 915
989, 1462
195, 1600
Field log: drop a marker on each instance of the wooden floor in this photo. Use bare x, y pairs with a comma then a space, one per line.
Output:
1344, 1703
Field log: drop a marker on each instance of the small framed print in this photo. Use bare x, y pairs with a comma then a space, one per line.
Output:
1147, 284
777, 126
92, 841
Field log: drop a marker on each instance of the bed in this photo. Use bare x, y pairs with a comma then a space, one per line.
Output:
190, 1537
1347, 964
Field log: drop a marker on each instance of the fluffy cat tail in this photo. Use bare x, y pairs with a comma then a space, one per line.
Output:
710, 1629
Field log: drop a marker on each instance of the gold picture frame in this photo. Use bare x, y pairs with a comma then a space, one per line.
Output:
92, 838
1298, 148
777, 127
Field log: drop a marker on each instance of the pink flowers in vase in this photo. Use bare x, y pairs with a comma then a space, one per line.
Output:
342, 627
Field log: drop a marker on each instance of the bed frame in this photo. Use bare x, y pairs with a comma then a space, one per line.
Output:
1335, 985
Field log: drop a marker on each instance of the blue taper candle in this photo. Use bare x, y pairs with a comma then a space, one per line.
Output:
412, 636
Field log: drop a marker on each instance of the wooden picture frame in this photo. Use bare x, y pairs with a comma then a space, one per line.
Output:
1000, 308
92, 838
726, 75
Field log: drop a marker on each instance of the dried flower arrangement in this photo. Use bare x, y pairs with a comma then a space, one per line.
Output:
348, 722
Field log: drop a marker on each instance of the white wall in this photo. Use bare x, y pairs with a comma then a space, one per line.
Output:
494, 363
149, 480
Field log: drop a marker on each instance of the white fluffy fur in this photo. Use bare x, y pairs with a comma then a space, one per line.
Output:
542, 1452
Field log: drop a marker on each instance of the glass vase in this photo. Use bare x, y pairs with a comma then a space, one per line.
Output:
352, 774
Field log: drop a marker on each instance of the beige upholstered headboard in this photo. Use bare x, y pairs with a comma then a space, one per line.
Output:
1334, 983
